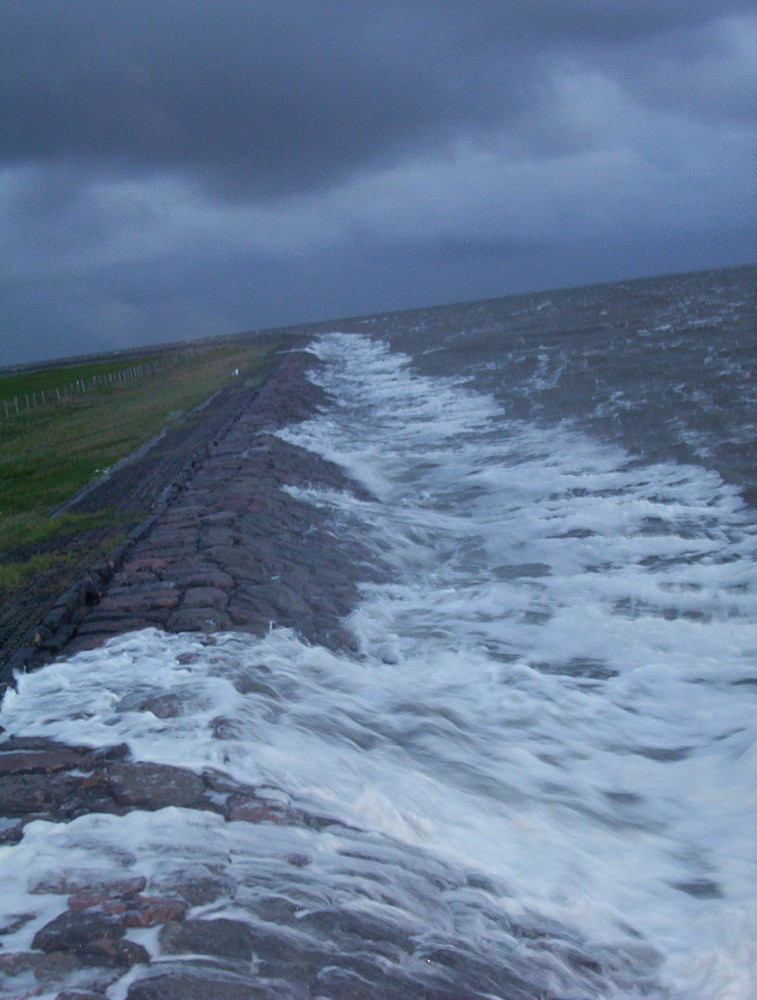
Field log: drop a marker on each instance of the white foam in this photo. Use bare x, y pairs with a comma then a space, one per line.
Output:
547, 691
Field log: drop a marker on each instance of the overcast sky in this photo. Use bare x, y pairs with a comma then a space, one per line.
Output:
180, 168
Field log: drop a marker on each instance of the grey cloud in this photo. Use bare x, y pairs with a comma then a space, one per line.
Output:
269, 98
177, 167
259, 98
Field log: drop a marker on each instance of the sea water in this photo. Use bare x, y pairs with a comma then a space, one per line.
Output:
545, 744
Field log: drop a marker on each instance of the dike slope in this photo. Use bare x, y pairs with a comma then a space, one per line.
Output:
224, 546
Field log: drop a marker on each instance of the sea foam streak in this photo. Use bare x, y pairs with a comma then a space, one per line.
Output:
552, 696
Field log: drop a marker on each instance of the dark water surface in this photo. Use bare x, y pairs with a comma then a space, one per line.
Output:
667, 367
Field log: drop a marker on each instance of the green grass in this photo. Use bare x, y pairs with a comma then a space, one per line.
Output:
26, 382
14, 575
47, 455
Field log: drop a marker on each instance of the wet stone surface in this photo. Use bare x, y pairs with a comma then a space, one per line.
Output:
41, 779
217, 929
201, 982
233, 550
87, 943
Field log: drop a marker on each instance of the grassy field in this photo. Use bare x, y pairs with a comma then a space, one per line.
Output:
53, 377
47, 455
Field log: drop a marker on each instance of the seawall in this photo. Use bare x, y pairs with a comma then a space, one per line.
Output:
222, 547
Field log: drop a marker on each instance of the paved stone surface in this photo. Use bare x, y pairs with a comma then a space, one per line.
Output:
96, 938
232, 549
41, 611
60, 783
222, 937
87, 942
201, 982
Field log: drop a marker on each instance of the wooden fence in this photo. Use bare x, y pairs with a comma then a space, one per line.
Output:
29, 402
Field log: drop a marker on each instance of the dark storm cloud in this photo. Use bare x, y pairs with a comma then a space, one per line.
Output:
270, 98
261, 98
176, 167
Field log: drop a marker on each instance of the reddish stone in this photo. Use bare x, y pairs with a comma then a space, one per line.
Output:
136, 911
249, 809
73, 931
38, 761
114, 951
92, 881
102, 901
197, 886
138, 600
95, 938
103, 628
148, 563
44, 966
149, 911
205, 597
26, 794
154, 786
164, 598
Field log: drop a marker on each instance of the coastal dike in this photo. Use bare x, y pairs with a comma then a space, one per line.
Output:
223, 547
226, 546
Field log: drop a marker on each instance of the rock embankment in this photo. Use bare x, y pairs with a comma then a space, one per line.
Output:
132, 492
262, 899
85, 947
229, 548
226, 547
234, 550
